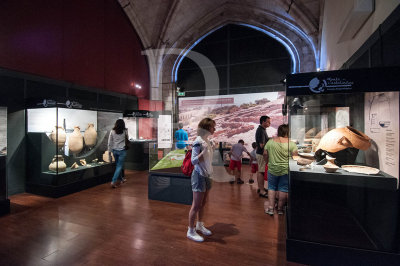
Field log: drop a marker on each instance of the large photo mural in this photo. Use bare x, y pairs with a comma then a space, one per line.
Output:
237, 116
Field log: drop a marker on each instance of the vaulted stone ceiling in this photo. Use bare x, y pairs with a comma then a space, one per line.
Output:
164, 25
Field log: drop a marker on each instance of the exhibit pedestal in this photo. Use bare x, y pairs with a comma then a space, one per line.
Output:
4, 201
338, 218
311, 253
61, 184
170, 185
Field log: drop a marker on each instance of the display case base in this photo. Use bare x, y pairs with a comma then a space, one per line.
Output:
4, 206
61, 184
170, 185
311, 253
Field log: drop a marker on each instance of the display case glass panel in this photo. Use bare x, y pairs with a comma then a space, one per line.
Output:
3, 131
357, 132
3, 155
63, 140
344, 183
131, 125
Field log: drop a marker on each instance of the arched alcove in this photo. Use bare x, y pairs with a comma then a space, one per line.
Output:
247, 60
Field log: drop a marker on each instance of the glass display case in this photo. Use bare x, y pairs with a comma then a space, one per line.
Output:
4, 201
137, 157
344, 185
67, 149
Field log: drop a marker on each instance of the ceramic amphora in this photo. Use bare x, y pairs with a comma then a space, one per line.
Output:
75, 141
58, 136
90, 135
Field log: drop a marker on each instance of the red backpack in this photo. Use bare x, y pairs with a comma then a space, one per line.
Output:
187, 166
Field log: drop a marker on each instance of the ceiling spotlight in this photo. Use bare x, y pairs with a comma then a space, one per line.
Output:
138, 86
318, 69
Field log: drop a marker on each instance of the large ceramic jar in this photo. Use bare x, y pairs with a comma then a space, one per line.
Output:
90, 135
341, 138
58, 136
57, 163
75, 141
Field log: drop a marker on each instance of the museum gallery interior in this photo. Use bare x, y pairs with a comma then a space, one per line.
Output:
70, 69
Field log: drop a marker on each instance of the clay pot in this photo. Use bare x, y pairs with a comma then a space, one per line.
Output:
303, 161
75, 141
342, 138
311, 133
330, 161
331, 168
90, 135
74, 165
58, 135
57, 162
106, 157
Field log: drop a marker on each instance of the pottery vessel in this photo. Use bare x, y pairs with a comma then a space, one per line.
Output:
330, 161
311, 133
74, 165
90, 135
75, 141
106, 157
58, 136
342, 138
331, 168
58, 161
330, 165
303, 161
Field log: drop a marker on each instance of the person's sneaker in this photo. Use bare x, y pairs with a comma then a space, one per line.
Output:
251, 181
239, 181
201, 228
123, 180
269, 211
193, 235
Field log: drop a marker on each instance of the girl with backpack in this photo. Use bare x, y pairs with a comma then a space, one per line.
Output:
202, 154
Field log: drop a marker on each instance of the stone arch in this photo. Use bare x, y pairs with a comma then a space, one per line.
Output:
297, 42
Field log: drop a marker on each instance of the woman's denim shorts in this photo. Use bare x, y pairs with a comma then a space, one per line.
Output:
278, 183
200, 183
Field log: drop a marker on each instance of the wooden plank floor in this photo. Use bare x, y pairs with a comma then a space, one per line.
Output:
104, 226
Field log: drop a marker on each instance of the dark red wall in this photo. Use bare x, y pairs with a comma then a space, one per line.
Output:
148, 126
87, 42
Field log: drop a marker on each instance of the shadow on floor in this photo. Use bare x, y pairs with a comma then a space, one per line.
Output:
221, 231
